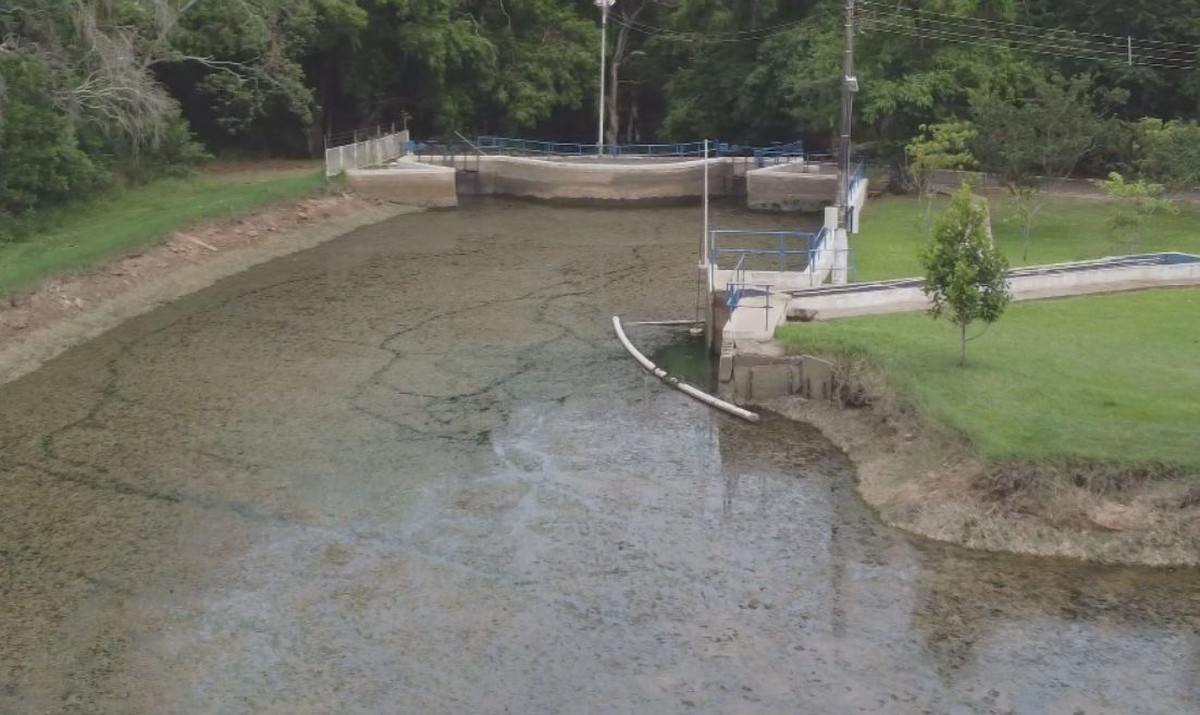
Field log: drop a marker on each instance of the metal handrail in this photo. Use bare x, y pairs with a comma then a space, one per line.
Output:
733, 289
790, 150
782, 250
534, 146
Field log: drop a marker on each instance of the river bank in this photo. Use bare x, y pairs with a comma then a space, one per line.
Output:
926, 478
39, 324
419, 448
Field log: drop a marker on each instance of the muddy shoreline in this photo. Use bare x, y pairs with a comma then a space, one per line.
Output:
924, 479
39, 324
411, 470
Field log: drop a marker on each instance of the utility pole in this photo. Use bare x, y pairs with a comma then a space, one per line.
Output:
603, 5
849, 87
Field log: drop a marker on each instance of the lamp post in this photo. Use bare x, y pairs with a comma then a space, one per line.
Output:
603, 5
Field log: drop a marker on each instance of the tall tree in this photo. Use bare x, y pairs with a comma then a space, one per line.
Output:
1041, 135
938, 147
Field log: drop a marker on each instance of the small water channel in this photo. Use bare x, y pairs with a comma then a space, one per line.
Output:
413, 471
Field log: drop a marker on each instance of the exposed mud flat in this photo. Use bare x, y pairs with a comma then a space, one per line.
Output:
38, 324
411, 470
930, 482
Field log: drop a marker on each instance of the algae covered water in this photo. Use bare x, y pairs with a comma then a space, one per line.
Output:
411, 471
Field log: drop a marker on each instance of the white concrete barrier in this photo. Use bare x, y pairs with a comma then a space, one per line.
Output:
881, 297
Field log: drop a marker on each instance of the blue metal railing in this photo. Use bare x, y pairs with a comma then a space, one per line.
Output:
762, 155
737, 284
783, 245
737, 288
777, 153
548, 148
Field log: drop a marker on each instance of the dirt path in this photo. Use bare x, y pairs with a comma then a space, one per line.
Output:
65, 311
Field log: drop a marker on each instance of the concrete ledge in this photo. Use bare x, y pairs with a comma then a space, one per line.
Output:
878, 298
791, 187
591, 179
408, 183
608, 181
751, 375
755, 318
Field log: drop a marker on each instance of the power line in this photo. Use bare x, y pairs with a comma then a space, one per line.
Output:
1028, 38
1008, 24
1032, 48
761, 33
1025, 46
1113, 45
979, 32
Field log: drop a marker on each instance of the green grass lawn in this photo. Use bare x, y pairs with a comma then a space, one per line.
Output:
1114, 377
1065, 230
125, 221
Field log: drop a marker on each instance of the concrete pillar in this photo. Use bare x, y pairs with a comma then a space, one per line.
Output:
831, 218
841, 258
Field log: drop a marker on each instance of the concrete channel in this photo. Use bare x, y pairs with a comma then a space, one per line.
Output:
411, 471
1058, 280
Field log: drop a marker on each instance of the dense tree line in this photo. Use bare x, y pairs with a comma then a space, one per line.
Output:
97, 91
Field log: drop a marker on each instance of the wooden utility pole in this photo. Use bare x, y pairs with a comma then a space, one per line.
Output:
849, 87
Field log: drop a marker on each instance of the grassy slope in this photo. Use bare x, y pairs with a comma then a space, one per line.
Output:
1066, 230
125, 221
1113, 378
1087, 377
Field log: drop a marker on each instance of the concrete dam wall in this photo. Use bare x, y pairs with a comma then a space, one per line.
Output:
603, 180
439, 183
791, 187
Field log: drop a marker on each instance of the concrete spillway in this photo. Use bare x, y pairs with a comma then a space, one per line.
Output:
440, 180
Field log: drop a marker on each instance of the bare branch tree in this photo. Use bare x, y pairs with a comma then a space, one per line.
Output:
108, 67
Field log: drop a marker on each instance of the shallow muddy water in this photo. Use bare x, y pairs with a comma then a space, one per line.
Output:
412, 471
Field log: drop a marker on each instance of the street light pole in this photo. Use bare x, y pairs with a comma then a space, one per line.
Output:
603, 5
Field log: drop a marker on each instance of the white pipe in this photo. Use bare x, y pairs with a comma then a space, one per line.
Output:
675, 382
667, 322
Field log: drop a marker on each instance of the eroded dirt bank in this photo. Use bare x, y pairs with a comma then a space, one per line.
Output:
930, 482
412, 471
38, 324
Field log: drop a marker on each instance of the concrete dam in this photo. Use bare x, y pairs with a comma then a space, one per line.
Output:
387, 169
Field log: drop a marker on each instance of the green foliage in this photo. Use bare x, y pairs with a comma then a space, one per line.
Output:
272, 76
1072, 229
1027, 202
118, 221
1131, 203
965, 276
937, 147
945, 145
1112, 378
1043, 133
237, 66
1169, 152
40, 160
